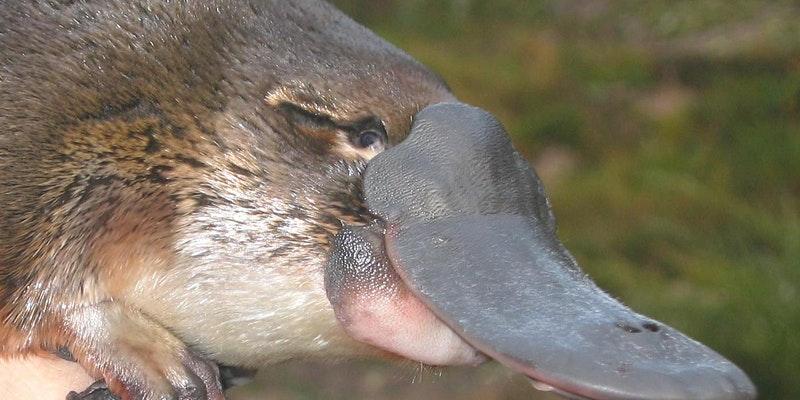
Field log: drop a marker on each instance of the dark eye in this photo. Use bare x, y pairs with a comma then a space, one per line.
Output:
369, 134
369, 138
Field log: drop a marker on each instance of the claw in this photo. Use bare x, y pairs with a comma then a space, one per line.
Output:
96, 391
64, 354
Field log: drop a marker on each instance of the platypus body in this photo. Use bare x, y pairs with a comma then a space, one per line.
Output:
241, 182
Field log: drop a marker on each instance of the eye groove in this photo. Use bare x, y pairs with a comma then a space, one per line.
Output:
306, 117
364, 133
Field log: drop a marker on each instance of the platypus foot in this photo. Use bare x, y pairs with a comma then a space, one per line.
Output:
138, 358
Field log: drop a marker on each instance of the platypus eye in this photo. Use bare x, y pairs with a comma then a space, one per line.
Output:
369, 134
369, 138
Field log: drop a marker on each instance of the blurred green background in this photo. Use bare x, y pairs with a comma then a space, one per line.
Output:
668, 136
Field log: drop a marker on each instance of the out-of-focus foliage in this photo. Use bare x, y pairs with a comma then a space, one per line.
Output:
668, 135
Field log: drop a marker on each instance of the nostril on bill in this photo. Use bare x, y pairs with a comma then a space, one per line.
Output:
628, 328
651, 326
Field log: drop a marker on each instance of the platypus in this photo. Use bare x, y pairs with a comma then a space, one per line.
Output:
239, 182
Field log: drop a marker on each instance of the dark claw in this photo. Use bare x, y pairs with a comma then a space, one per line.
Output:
205, 375
65, 354
96, 391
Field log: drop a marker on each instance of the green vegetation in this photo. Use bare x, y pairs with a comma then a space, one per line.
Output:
668, 134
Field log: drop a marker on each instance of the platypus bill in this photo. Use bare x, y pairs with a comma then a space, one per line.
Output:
242, 182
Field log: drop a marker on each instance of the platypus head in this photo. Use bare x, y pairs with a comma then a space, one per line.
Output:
339, 191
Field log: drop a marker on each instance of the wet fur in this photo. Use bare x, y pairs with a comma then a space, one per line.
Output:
153, 163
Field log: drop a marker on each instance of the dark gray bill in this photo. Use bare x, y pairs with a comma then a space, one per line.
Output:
470, 231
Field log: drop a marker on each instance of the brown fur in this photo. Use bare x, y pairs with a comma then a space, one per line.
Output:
145, 144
